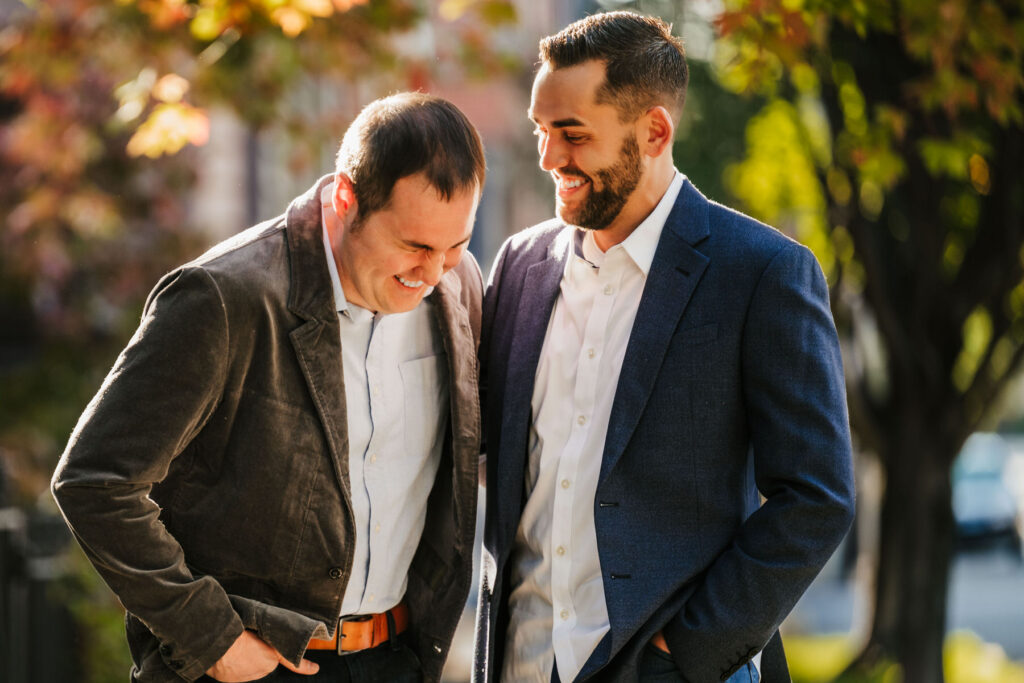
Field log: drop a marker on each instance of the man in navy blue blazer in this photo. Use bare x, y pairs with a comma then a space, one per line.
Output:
668, 450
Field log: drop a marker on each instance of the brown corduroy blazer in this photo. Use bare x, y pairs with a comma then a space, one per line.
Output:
208, 479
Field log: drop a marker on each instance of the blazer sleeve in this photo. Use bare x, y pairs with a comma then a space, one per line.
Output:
794, 394
161, 391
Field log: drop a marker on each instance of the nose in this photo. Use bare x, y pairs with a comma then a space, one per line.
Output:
432, 267
552, 154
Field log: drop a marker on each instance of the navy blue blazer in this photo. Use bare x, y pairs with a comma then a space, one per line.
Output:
731, 389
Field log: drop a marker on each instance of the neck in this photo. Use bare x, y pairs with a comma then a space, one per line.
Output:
640, 205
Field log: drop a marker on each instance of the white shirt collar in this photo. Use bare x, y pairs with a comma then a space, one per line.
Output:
340, 302
643, 241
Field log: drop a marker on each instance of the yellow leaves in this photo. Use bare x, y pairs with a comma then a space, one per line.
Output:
778, 180
762, 38
295, 16
213, 18
452, 10
839, 185
169, 128
170, 88
210, 19
291, 20
171, 124
871, 199
977, 169
968, 659
209, 22
977, 335
952, 158
743, 67
804, 79
163, 14
493, 12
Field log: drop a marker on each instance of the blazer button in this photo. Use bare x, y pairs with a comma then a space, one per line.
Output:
165, 650
335, 573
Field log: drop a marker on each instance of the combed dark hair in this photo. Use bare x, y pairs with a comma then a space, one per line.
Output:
406, 134
645, 65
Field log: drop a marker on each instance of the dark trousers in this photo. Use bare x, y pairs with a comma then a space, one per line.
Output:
391, 662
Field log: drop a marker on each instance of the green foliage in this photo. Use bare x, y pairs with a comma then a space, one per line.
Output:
778, 180
880, 127
710, 135
966, 659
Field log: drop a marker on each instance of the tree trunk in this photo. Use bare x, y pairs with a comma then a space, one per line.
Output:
915, 553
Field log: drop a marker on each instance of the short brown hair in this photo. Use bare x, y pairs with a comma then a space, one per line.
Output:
645, 65
405, 134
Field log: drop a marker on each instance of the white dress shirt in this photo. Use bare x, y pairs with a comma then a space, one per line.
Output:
396, 395
557, 604
558, 612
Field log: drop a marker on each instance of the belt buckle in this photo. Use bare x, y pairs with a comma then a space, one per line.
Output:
341, 635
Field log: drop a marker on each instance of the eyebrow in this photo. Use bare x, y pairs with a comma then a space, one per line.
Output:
417, 245
561, 123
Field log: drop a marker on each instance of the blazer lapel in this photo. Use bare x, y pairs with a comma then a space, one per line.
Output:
540, 291
674, 274
453, 322
317, 342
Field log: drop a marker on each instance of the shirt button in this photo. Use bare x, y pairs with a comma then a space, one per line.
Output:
564, 614
582, 420
334, 573
371, 597
565, 483
560, 550
591, 353
608, 289
377, 528
373, 458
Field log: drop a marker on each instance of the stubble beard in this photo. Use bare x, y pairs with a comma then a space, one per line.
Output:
619, 180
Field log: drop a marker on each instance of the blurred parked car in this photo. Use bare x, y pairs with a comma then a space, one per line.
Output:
984, 506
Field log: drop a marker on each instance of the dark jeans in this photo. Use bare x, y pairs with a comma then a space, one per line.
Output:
386, 663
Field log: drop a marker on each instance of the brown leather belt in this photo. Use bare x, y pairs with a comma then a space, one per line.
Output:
363, 631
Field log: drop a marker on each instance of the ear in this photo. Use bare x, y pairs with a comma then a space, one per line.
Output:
344, 198
657, 132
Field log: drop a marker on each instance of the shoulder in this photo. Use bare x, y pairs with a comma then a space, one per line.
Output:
248, 252
254, 261
245, 273
535, 239
471, 280
743, 242
529, 246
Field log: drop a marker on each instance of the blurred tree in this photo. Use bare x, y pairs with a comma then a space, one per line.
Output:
891, 142
101, 106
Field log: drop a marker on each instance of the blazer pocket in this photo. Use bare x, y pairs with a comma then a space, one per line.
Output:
694, 336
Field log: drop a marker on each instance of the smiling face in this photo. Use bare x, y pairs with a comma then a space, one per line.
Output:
387, 260
593, 157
